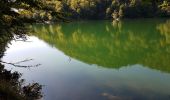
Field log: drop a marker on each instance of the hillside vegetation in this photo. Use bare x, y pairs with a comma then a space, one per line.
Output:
102, 9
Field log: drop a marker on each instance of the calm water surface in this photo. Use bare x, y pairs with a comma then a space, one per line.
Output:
97, 60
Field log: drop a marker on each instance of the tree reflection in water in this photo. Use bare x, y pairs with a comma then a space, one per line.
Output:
112, 45
12, 87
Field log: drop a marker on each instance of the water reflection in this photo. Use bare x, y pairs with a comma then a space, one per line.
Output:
12, 86
98, 60
112, 45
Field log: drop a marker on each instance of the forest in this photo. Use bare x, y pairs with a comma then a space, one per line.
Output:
15, 13
101, 9
105, 9
63, 10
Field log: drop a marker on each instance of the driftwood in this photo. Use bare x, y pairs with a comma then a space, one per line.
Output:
17, 64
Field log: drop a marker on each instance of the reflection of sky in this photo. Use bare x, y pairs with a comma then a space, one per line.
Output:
66, 79
28, 44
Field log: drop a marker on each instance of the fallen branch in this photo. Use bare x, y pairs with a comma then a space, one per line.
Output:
17, 64
23, 61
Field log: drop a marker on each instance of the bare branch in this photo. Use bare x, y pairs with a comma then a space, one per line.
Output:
23, 61
17, 64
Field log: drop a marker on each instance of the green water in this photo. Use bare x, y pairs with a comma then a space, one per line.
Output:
99, 60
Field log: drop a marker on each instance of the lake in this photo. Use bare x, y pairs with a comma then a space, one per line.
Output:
97, 60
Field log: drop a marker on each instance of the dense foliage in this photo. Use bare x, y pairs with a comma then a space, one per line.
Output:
17, 12
83, 9
12, 88
99, 9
